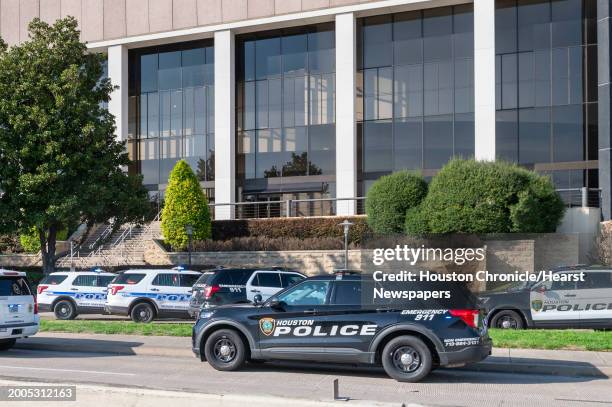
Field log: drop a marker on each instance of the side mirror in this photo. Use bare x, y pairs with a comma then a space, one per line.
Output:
276, 304
257, 299
541, 289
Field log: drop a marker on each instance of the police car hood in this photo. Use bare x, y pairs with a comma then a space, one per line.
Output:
249, 305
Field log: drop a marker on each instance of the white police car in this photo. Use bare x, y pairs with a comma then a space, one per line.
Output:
146, 294
18, 312
69, 294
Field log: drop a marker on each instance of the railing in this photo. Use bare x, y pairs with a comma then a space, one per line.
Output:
290, 208
581, 197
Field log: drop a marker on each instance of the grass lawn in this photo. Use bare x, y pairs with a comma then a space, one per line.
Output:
552, 339
529, 339
116, 327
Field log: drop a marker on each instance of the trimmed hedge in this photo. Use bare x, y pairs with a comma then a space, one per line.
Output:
296, 228
390, 197
469, 196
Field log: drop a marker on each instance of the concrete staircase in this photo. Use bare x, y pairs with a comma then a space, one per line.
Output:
125, 246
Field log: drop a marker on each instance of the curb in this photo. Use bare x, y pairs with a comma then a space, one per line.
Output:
557, 369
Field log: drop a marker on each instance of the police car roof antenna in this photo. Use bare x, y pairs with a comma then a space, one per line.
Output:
336, 396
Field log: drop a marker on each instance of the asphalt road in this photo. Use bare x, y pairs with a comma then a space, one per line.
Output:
301, 381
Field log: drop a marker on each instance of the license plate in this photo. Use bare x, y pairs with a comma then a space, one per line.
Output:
13, 307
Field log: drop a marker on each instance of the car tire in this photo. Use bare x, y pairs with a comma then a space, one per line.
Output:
142, 313
7, 344
65, 310
507, 319
407, 359
225, 350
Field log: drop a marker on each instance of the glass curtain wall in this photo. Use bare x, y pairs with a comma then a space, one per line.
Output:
546, 88
286, 104
171, 112
415, 95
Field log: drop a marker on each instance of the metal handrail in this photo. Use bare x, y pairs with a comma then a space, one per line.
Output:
105, 233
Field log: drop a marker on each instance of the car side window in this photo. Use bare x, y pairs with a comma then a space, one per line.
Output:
563, 285
347, 293
188, 280
290, 279
166, 280
595, 280
85, 281
307, 293
267, 280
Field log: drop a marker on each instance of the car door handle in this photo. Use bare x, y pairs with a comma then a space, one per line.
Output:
255, 291
570, 295
74, 289
309, 311
154, 289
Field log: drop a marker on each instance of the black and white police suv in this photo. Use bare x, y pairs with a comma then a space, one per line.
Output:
334, 318
233, 286
18, 311
577, 297
68, 294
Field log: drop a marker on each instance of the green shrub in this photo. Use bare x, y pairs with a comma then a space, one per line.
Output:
539, 208
30, 241
469, 196
415, 222
184, 204
390, 197
284, 228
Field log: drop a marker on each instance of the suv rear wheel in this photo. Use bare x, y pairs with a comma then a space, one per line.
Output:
407, 359
65, 310
143, 312
507, 319
7, 344
225, 350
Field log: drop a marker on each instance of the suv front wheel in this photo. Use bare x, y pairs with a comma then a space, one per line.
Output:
407, 359
225, 350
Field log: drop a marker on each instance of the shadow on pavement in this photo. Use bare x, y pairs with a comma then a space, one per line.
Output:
73, 348
469, 374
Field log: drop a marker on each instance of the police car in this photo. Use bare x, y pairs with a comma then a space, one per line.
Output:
232, 286
332, 318
576, 297
146, 294
18, 312
70, 293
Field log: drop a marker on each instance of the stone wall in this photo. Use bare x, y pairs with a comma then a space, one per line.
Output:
20, 260
504, 254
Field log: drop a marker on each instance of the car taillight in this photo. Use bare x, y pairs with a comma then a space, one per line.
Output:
469, 316
35, 305
42, 288
210, 290
116, 288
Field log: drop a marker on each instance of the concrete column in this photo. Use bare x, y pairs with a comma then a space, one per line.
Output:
604, 33
346, 130
484, 79
118, 74
225, 123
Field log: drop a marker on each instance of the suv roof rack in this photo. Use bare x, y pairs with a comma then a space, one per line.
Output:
345, 272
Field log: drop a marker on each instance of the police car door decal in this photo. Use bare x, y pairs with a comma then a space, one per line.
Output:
554, 301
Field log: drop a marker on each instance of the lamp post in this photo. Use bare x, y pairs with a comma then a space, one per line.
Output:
189, 231
346, 225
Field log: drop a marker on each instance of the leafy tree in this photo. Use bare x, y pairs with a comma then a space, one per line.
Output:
60, 162
539, 208
31, 242
390, 197
185, 204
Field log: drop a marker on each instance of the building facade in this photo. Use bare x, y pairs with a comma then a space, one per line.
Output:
280, 100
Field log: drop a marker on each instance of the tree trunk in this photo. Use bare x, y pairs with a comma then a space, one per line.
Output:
47, 249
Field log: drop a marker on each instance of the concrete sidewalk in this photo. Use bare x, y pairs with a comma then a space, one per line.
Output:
547, 362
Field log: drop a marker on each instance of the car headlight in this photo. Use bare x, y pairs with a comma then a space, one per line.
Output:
206, 314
